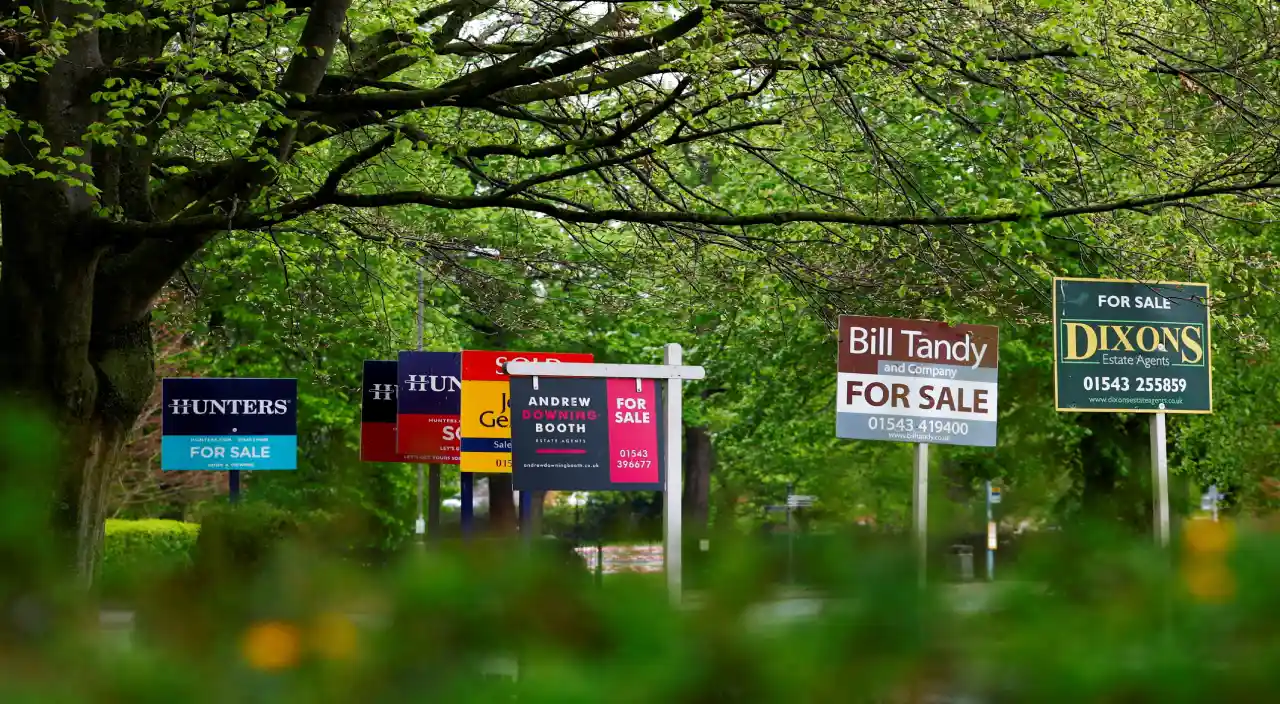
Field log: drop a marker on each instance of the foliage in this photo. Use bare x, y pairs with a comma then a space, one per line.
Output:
306, 629
138, 552
726, 175
237, 539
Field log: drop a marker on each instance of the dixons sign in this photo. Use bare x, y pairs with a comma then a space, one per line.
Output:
1129, 346
917, 381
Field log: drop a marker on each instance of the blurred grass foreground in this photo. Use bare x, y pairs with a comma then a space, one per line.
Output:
1101, 619
258, 605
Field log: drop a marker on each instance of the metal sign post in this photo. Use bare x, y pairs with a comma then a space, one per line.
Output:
794, 503
1210, 499
1160, 480
920, 505
674, 374
420, 526
993, 497
791, 538
526, 516
468, 490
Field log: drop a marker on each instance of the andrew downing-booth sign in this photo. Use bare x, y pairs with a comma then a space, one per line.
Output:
917, 381
586, 434
1127, 346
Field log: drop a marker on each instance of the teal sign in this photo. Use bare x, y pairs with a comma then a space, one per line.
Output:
1128, 346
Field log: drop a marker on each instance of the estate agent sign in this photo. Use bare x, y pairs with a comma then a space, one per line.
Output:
586, 434
917, 381
429, 397
1127, 346
486, 405
378, 412
229, 424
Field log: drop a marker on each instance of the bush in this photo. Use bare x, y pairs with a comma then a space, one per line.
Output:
237, 539
139, 552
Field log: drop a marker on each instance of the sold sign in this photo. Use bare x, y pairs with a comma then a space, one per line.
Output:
486, 406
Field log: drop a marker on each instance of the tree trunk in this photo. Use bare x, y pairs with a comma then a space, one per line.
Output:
537, 510
81, 359
502, 506
699, 461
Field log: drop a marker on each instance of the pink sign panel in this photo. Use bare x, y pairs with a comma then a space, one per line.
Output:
633, 431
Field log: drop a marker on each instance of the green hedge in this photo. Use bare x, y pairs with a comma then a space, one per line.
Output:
137, 552
229, 541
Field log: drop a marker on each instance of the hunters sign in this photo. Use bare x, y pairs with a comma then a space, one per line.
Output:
917, 381
1127, 346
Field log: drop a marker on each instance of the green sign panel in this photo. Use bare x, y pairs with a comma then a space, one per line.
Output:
1127, 346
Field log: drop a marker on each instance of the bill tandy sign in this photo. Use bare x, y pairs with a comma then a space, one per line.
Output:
429, 398
586, 435
917, 381
225, 424
486, 406
1127, 346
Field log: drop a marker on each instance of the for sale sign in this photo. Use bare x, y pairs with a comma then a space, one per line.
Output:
486, 406
226, 424
429, 398
586, 434
917, 381
378, 412
1128, 346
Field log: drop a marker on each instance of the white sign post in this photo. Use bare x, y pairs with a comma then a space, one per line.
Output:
1209, 501
920, 502
674, 374
1160, 479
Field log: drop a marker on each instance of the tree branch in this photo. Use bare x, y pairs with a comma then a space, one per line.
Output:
196, 225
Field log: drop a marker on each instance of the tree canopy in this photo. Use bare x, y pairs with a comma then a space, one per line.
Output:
753, 162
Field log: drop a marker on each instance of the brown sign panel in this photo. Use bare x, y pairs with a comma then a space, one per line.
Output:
865, 340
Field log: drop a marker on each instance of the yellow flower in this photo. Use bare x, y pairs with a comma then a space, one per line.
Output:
1205, 571
335, 636
271, 646
1208, 537
1209, 580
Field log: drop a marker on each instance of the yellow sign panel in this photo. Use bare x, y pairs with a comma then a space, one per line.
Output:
486, 426
486, 406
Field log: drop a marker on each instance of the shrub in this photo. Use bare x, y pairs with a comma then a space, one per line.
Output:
138, 552
237, 539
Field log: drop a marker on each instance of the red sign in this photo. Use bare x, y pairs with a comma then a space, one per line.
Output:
633, 431
480, 365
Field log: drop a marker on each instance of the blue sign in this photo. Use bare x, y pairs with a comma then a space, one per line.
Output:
226, 424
